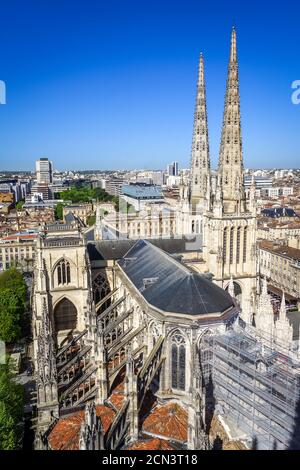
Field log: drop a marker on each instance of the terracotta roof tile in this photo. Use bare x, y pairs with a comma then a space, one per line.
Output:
65, 434
116, 399
281, 250
151, 444
170, 420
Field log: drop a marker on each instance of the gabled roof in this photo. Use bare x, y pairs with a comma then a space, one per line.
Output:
169, 286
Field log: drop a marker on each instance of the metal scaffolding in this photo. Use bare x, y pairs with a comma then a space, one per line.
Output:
257, 386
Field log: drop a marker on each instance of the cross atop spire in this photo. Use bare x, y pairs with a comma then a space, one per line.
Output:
200, 164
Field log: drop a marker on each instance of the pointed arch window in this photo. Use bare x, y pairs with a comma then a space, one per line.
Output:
224, 245
63, 272
238, 244
193, 226
178, 358
101, 289
245, 245
231, 245
65, 315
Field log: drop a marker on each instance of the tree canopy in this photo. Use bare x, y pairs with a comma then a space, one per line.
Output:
13, 299
11, 410
20, 204
86, 194
59, 211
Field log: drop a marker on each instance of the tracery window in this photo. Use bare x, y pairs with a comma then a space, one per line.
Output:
63, 272
178, 358
101, 289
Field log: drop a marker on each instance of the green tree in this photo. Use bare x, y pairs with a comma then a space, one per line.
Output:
20, 204
59, 211
13, 300
90, 220
13, 279
85, 194
11, 309
11, 410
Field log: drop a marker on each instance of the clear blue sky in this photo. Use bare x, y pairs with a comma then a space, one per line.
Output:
111, 84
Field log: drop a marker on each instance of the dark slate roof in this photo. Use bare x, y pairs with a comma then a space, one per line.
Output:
168, 285
108, 249
279, 212
70, 217
116, 249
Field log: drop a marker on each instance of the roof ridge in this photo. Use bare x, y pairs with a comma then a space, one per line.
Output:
171, 258
200, 294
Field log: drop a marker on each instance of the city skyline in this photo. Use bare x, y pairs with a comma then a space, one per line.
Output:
150, 262
121, 103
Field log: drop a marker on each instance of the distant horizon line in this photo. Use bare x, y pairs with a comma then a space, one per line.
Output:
140, 169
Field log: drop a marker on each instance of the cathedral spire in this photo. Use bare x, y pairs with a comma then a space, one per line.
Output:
231, 157
200, 164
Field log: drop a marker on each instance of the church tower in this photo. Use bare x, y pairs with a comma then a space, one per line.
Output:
229, 227
231, 157
200, 164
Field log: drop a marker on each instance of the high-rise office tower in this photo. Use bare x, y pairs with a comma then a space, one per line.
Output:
172, 169
43, 168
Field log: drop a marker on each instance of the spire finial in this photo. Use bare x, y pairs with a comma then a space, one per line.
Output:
201, 71
233, 54
282, 312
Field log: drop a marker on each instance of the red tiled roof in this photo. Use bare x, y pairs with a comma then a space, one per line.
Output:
281, 250
116, 400
117, 396
20, 237
170, 421
151, 444
65, 434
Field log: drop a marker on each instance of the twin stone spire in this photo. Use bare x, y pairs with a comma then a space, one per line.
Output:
230, 170
200, 165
